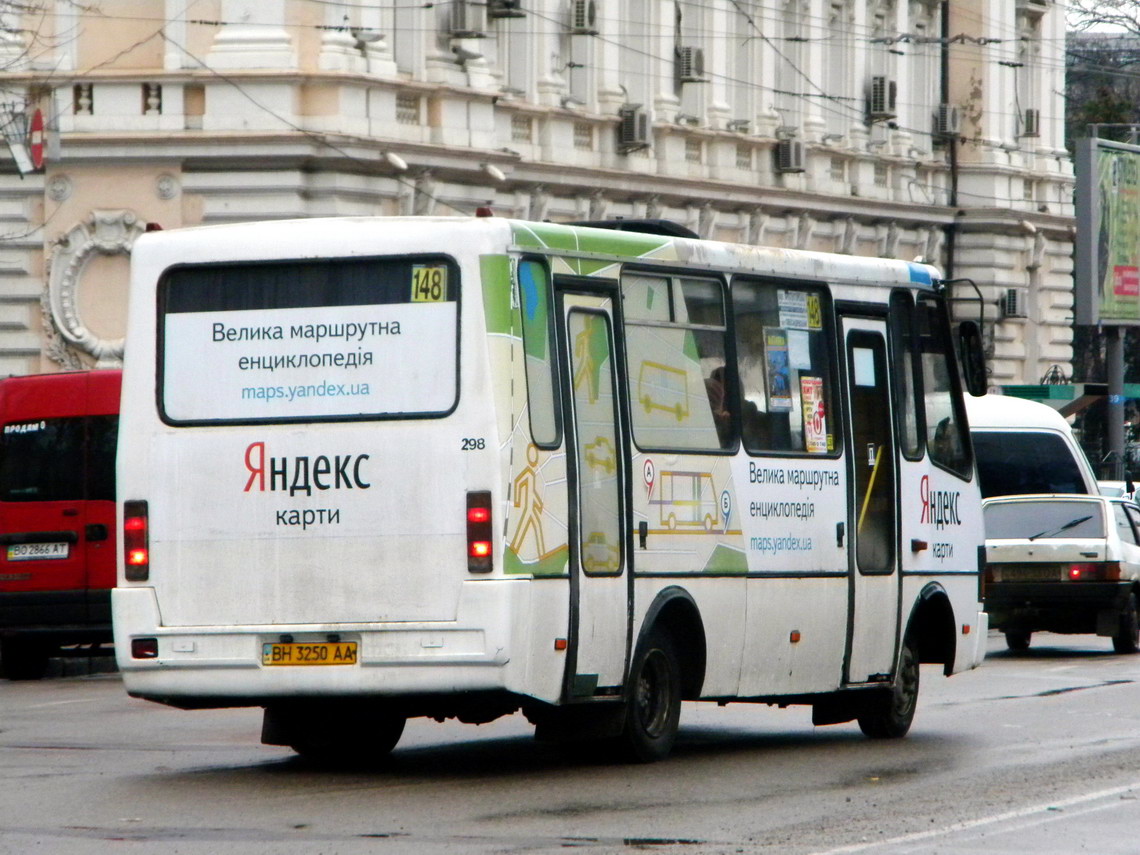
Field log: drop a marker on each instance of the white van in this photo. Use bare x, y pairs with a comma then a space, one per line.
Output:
1025, 447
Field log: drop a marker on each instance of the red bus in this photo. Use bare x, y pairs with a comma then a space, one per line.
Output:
57, 515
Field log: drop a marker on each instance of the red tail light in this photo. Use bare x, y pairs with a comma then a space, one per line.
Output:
1108, 571
144, 648
136, 542
479, 553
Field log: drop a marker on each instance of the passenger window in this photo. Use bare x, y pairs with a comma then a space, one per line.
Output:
1123, 526
945, 439
1133, 515
904, 347
534, 299
784, 358
675, 353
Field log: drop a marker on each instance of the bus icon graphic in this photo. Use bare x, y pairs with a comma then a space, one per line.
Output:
662, 387
687, 500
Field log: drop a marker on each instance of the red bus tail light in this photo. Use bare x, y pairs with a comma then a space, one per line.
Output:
136, 541
479, 552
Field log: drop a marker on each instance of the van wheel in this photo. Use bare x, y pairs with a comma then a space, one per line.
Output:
1018, 641
1127, 640
22, 659
654, 709
889, 714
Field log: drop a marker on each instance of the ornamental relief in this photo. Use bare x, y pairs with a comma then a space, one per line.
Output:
102, 232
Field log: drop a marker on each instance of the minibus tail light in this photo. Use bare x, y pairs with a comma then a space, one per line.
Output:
479, 552
136, 541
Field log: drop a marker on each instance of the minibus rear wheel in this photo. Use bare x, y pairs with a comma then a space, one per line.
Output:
654, 707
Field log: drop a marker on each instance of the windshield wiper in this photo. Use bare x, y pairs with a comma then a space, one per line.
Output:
1049, 532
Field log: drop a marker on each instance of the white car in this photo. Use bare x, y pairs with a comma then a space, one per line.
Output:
1063, 563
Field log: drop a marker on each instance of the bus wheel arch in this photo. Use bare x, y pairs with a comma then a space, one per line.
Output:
674, 612
931, 626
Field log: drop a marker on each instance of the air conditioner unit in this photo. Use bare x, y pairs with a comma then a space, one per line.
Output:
1033, 8
1013, 303
633, 129
947, 121
691, 65
789, 155
505, 9
583, 18
884, 91
1031, 122
468, 19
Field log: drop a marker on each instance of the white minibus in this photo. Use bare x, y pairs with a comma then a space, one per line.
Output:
379, 468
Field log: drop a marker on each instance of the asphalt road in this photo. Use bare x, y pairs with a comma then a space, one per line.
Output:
1037, 753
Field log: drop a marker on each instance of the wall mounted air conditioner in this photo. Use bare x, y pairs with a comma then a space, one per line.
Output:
947, 121
468, 19
583, 18
1012, 303
633, 129
505, 9
884, 92
691, 65
789, 155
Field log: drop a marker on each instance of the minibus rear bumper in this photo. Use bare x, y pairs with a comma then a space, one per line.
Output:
218, 666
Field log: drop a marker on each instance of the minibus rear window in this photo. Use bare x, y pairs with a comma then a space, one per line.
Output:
309, 340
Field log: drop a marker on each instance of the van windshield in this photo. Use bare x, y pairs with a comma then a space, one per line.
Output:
1014, 462
305, 340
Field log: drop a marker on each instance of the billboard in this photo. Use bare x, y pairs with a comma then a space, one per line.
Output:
1108, 233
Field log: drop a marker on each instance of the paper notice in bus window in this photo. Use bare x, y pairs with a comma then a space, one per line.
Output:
799, 350
794, 309
815, 415
777, 369
311, 362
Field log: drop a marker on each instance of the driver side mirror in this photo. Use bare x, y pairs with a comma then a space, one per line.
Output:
972, 356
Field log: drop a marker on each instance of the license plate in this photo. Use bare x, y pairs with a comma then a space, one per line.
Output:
1030, 573
37, 551
309, 653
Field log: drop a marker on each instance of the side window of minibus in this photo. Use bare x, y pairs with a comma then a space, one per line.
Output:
905, 355
538, 346
784, 360
945, 439
675, 354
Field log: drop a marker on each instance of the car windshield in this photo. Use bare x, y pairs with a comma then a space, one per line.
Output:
1044, 519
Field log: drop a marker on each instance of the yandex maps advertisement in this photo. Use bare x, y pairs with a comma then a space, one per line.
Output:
372, 342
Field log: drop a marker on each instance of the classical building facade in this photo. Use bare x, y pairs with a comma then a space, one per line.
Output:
925, 129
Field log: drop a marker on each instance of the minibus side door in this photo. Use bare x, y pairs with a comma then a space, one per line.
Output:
598, 501
874, 578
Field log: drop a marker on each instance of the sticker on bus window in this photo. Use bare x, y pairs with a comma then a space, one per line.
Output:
814, 312
429, 283
794, 314
816, 438
779, 375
